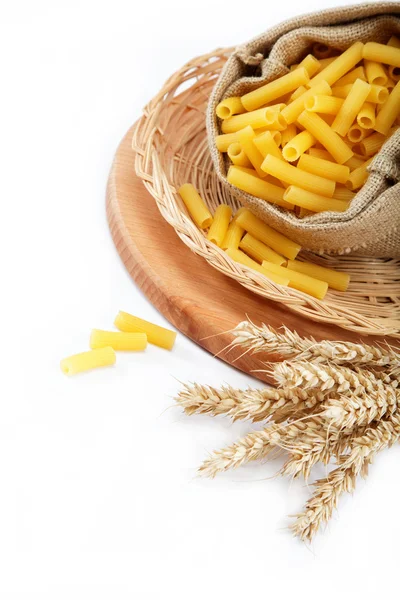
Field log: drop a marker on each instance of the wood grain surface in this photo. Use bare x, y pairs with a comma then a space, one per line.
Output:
198, 300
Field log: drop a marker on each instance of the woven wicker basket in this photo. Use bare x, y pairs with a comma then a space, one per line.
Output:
170, 142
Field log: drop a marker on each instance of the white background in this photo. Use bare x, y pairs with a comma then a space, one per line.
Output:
98, 494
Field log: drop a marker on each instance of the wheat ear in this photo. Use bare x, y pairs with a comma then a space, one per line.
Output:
289, 344
320, 507
253, 446
251, 404
258, 444
325, 377
323, 447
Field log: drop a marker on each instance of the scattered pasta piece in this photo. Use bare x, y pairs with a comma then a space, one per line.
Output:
159, 336
229, 107
269, 236
220, 224
85, 361
299, 281
195, 205
275, 89
294, 176
118, 340
242, 258
259, 251
314, 202
335, 279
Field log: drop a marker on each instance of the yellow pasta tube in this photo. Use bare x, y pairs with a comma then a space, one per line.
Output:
246, 139
275, 120
263, 232
352, 76
228, 107
311, 64
354, 162
220, 224
293, 110
224, 140
372, 144
238, 156
358, 177
159, 336
297, 93
274, 132
336, 280
328, 119
247, 170
340, 66
259, 251
351, 107
375, 72
366, 116
117, 340
311, 201
299, 144
320, 153
356, 133
390, 111
257, 187
275, 89
343, 193
299, 281
288, 134
277, 136
263, 117
234, 233
266, 144
394, 73
326, 136
324, 62
294, 176
195, 205
242, 258
389, 55
378, 94
328, 105
324, 168
85, 361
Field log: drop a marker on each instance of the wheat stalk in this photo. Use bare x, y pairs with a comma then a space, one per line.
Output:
258, 444
325, 377
354, 410
320, 507
251, 404
321, 448
364, 396
253, 446
289, 344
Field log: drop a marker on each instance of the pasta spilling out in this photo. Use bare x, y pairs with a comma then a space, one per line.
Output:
134, 335
252, 243
304, 139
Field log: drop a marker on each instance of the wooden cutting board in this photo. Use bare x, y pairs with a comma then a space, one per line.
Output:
198, 300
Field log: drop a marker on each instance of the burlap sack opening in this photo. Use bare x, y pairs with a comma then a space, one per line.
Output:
371, 226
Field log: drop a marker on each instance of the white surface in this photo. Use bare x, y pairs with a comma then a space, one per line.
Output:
98, 496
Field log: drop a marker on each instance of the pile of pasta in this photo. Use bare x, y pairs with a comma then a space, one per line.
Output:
250, 242
133, 335
304, 141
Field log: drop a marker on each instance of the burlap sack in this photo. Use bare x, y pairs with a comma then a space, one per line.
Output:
371, 226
